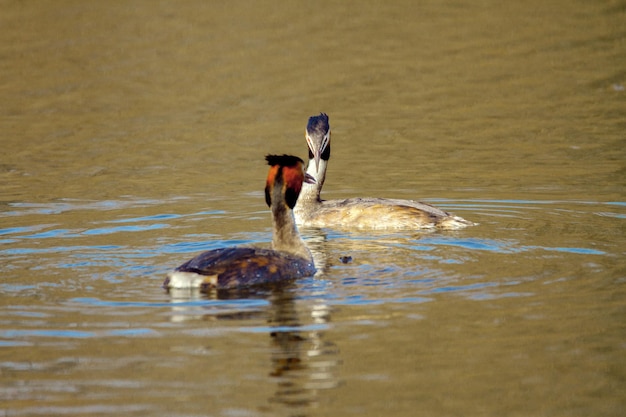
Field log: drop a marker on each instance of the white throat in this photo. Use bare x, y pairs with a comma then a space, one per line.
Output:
313, 191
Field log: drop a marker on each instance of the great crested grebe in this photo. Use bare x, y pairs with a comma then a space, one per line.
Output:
288, 258
366, 213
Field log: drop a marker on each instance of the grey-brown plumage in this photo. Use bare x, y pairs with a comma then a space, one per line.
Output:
241, 266
288, 258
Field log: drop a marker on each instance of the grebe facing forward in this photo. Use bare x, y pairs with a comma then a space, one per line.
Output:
288, 258
366, 213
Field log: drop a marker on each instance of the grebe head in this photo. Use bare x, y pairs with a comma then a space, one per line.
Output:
284, 179
318, 138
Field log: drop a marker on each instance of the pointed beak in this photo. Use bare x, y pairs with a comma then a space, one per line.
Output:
316, 158
309, 179
317, 155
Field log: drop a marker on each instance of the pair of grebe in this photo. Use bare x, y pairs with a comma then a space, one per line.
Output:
293, 195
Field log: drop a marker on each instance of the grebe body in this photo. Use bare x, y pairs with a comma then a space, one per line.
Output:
287, 259
380, 214
363, 213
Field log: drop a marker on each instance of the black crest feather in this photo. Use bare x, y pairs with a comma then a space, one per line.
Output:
283, 160
318, 124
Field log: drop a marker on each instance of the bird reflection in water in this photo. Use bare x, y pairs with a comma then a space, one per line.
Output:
302, 362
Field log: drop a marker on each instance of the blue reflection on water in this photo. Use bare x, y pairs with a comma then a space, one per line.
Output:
15, 230
27, 243
167, 216
492, 245
58, 249
109, 230
201, 302
75, 334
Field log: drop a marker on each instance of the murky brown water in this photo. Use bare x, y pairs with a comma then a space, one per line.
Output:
133, 137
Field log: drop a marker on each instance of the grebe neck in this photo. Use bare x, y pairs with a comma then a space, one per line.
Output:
285, 235
311, 192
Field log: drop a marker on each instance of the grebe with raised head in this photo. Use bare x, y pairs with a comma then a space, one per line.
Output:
365, 213
288, 258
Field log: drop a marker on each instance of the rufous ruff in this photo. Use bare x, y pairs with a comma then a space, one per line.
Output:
366, 213
288, 258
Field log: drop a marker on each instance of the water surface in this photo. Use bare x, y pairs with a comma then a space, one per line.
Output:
133, 138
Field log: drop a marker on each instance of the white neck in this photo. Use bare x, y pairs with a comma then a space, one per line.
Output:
311, 192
